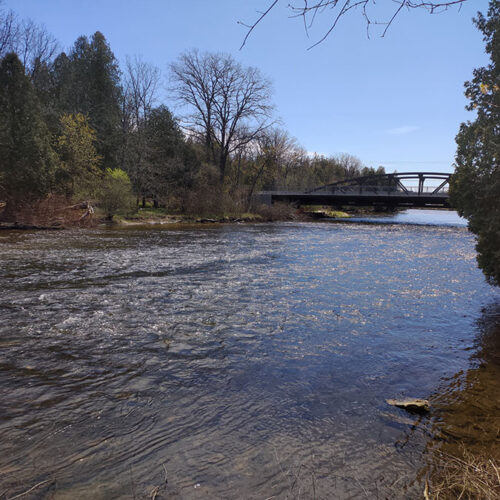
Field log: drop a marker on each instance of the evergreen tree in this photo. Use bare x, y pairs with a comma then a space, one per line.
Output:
27, 160
79, 170
87, 81
475, 186
43, 83
171, 162
159, 161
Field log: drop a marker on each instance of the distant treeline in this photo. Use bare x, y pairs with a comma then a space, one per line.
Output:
76, 125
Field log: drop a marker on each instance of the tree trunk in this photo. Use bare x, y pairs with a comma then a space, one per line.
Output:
254, 183
222, 166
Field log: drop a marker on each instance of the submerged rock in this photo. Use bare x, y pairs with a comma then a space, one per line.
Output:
412, 405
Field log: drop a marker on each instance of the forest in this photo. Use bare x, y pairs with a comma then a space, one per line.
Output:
79, 127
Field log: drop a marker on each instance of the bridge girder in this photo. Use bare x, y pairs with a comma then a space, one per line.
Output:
388, 180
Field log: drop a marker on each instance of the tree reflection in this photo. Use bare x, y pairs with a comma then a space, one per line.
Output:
464, 452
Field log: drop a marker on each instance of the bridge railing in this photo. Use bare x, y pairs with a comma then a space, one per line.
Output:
427, 189
410, 190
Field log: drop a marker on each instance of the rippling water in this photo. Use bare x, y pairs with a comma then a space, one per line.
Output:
417, 217
237, 361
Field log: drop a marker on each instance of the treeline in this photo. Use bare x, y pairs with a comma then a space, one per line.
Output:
74, 124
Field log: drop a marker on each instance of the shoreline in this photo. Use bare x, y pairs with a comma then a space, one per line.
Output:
153, 218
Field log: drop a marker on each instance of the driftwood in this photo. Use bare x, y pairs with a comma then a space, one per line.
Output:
203, 220
411, 405
78, 206
90, 211
84, 205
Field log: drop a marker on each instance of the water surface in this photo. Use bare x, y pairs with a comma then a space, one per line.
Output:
239, 361
426, 217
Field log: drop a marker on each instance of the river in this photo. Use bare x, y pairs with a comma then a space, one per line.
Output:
234, 361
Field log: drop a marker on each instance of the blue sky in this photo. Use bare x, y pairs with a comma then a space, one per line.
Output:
395, 101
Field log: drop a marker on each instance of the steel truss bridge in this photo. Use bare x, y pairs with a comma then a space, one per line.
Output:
408, 189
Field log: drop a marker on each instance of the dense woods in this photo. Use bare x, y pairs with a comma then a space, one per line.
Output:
76, 125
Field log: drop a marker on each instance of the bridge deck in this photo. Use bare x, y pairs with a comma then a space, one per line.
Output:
374, 189
363, 198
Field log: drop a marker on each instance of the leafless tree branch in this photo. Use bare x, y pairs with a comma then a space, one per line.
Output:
252, 26
141, 84
309, 11
224, 99
34, 45
9, 29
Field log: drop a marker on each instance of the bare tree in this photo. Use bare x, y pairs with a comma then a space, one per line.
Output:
351, 165
140, 94
289, 156
309, 10
8, 30
141, 85
32, 43
228, 105
35, 46
274, 151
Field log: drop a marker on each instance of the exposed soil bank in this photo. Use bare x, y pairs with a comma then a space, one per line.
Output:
58, 213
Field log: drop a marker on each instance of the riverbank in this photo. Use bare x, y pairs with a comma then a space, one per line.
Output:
264, 214
59, 213
162, 216
76, 216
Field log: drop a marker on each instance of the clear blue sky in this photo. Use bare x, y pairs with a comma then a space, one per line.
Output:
395, 101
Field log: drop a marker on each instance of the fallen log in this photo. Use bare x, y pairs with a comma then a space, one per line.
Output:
412, 405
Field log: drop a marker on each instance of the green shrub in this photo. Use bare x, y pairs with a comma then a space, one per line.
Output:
115, 194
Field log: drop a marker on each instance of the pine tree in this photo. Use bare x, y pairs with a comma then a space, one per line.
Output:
27, 160
159, 161
475, 186
171, 164
87, 81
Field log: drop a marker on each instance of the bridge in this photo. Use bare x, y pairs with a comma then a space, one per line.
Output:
407, 189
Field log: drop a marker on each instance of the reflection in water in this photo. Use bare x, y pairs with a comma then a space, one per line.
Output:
466, 420
417, 216
468, 407
241, 361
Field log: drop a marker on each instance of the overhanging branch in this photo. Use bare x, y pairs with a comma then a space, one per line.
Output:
309, 11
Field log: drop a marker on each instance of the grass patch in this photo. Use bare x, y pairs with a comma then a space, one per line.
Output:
324, 211
246, 216
156, 214
149, 213
336, 214
466, 477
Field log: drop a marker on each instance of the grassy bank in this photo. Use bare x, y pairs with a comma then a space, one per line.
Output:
319, 212
263, 213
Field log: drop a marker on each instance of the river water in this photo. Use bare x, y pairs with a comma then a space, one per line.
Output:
234, 361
